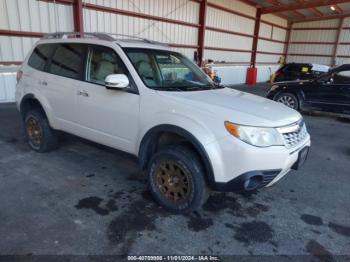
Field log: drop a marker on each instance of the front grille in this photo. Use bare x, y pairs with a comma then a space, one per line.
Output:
268, 177
295, 137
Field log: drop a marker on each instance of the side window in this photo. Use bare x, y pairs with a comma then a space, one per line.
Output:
67, 61
342, 78
40, 56
292, 68
101, 62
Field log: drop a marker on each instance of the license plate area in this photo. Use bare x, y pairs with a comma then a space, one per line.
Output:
302, 156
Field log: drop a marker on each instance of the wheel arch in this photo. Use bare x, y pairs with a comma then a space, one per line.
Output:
28, 102
299, 94
150, 143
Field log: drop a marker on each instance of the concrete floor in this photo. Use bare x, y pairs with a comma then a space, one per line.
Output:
88, 199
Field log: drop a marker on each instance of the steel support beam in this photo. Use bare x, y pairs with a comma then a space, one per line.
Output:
336, 45
78, 16
201, 30
256, 37
286, 47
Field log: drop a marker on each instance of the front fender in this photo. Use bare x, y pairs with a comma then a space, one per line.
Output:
196, 133
197, 128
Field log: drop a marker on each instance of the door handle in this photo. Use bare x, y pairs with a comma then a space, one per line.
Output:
43, 83
83, 93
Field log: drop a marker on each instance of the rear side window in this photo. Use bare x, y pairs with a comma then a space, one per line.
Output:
298, 68
292, 68
40, 56
68, 60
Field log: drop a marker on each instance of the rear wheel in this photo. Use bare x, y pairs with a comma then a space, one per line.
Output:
289, 100
40, 135
176, 179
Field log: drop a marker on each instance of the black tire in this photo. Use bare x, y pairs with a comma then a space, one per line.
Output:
44, 140
288, 99
189, 169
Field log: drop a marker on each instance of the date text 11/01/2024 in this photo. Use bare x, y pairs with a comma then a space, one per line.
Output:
173, 258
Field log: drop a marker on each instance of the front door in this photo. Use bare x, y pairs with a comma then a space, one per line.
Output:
324, 95
109, 117
342, 81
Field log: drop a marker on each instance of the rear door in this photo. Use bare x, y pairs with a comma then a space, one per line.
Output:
325, 95
341, 81
34, 75
65, 73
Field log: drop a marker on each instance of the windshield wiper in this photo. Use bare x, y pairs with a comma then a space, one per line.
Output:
168, 88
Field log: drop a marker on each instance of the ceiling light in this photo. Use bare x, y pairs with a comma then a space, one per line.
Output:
332, 8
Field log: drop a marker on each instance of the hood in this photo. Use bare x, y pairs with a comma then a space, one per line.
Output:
236, 106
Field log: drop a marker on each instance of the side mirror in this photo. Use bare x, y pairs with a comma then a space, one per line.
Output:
117, 82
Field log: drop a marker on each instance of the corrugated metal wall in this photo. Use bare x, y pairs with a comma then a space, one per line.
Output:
30, 16
267, 63
181, 10
271, 32
344, 49
233, 22
236, 23
315, 42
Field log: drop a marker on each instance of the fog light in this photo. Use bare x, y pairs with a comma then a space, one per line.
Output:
253, 182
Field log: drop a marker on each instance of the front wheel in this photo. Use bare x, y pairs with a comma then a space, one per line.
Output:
288, 99
176, 179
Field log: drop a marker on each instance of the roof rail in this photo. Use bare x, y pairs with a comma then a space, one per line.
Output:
65, 35
132, 37
101, 36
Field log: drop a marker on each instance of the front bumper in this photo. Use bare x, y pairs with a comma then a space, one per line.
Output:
248, 181
239, 166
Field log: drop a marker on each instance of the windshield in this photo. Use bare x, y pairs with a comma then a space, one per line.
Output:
168, 71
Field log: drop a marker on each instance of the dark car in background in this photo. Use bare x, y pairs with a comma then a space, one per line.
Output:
298, 71
330, 92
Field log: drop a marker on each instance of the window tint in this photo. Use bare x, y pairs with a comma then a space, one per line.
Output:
342, 77
68, 61
292, 68
303, 68
40, 56
102, 62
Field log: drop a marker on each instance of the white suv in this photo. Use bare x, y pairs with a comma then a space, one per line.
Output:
138, 96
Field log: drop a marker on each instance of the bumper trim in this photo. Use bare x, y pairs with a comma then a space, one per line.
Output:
248, 181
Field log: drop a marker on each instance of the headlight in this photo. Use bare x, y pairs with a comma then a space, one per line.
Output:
256, 136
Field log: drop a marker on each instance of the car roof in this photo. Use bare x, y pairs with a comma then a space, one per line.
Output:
315, 67
343, 67
123, 41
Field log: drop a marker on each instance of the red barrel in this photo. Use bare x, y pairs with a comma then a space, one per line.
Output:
251, 75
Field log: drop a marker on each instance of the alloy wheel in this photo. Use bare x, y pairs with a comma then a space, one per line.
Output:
173, 182
287, 100
34, 131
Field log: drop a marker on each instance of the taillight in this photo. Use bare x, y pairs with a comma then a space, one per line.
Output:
19, 75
